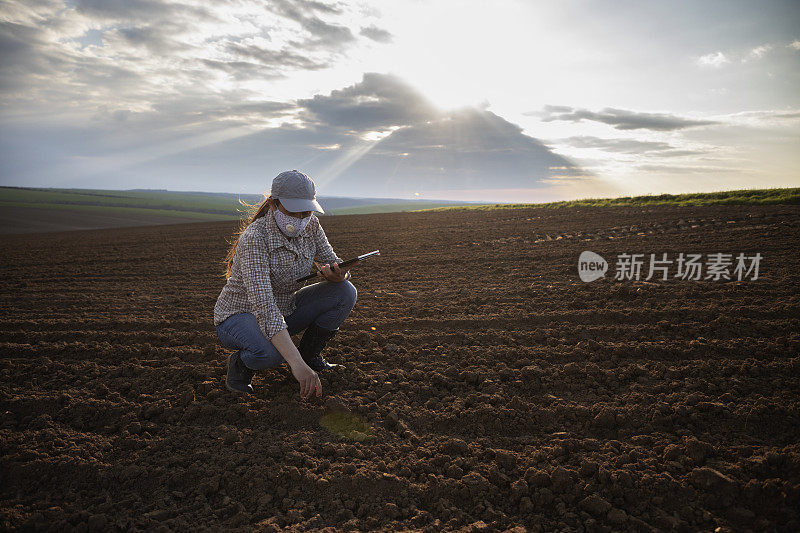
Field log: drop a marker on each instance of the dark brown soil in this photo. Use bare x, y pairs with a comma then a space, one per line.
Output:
502, 391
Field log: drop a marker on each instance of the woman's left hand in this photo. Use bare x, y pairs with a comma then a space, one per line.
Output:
332, 274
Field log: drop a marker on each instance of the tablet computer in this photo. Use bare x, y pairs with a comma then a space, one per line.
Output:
343, 263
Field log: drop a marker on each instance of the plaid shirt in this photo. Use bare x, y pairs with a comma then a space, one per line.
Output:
265, 267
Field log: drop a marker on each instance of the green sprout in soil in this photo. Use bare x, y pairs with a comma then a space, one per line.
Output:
348, 425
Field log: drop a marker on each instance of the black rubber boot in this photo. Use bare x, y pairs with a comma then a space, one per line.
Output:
239, 376
314, 340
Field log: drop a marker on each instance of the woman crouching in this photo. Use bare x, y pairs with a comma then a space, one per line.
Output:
262, 305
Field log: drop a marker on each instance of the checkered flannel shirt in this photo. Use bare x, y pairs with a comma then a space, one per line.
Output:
265, 267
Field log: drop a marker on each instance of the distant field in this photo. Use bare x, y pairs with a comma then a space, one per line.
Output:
785, 196
182, 202
385, 208
31, 210
27, 210
120, 211
16, 219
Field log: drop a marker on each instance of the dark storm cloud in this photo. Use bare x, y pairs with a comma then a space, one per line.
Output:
377, 102
626, 146
469, 148
376, 34
620, 119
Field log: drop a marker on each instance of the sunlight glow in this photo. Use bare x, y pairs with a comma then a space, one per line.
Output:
486, 56
347, 159
378, 135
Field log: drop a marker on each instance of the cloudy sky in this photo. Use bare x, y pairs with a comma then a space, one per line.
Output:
508, 100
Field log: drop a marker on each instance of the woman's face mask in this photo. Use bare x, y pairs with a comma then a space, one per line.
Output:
289, 225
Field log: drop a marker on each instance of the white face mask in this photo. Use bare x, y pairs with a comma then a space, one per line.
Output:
289, 225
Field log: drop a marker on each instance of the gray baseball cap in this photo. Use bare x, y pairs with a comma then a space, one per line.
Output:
296, 191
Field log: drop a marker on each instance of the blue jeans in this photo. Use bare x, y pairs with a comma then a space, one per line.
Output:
326, 303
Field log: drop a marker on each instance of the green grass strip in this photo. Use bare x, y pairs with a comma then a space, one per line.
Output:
786, 196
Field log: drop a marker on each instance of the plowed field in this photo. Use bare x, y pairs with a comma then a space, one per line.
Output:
499, 390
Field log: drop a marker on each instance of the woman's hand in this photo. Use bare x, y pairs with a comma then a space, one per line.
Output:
332, 274
308, 379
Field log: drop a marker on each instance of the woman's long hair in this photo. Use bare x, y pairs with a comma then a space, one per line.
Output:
252, 212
